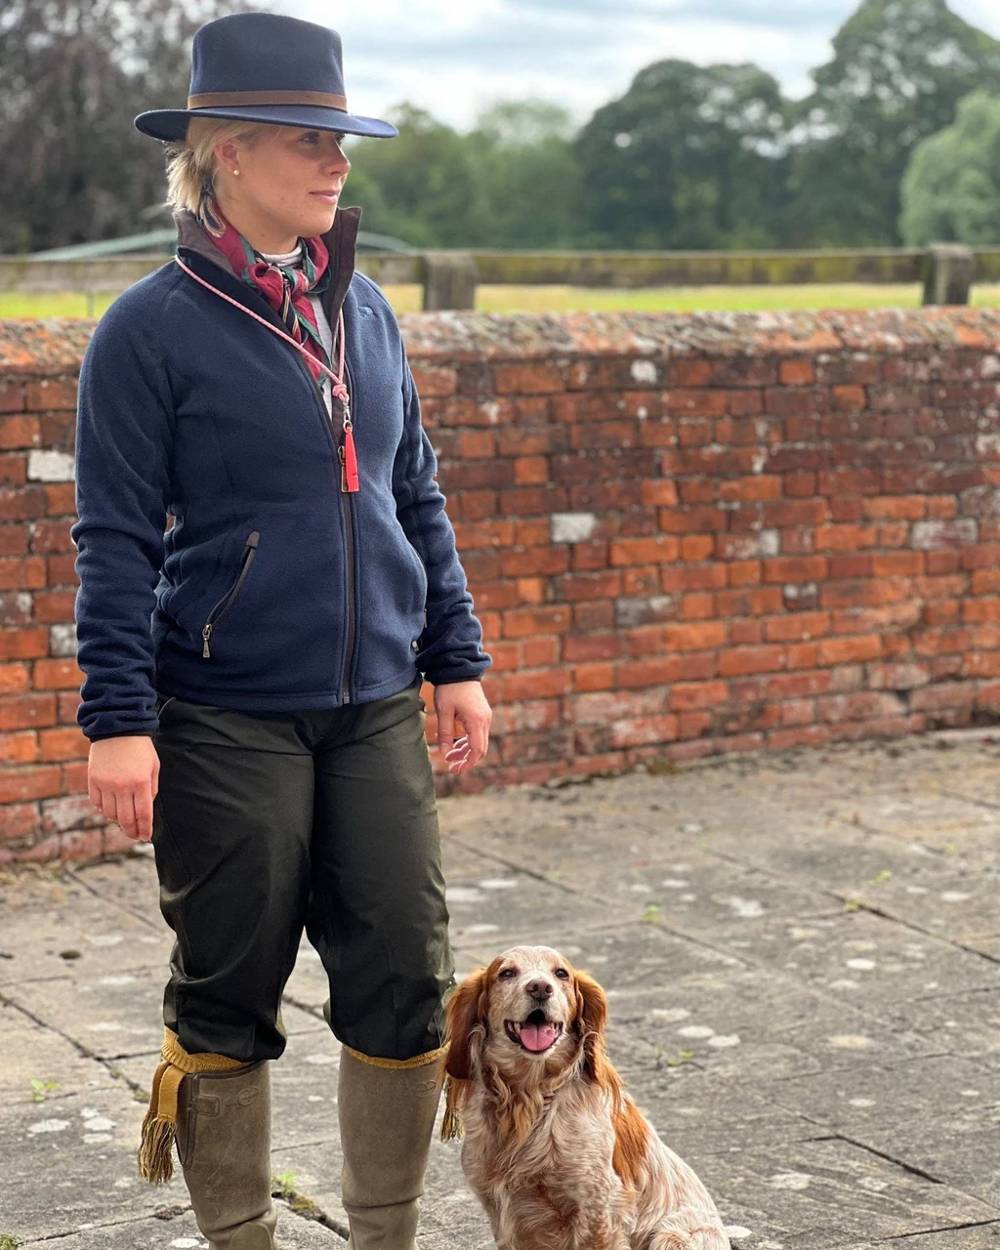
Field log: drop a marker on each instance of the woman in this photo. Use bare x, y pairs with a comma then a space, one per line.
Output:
252, 677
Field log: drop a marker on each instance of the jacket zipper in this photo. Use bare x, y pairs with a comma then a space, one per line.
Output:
348, 512
249, 551
347, 524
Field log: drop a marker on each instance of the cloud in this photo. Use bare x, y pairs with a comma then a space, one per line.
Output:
772, 13
455, 59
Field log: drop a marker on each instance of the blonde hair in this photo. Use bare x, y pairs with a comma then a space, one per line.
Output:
191, 161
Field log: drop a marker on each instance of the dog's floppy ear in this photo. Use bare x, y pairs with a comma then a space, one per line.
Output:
465, 1007
590, 1021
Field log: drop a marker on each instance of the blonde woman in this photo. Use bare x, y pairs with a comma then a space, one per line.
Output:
253, 675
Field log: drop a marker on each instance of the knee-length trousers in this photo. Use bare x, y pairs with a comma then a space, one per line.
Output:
266, 823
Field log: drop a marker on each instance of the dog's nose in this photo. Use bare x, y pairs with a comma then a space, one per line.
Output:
539, 989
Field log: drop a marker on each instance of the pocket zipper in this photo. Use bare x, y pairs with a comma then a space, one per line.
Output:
249, 551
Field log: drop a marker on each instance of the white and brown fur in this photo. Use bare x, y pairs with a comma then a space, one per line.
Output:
557, 1152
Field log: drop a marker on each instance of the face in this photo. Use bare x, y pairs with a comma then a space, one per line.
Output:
533, 1001
530, 1015
274, 199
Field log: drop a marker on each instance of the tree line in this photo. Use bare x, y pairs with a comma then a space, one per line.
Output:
897, 142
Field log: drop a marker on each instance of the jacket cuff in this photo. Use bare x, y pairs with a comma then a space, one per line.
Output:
449, 679
121, 733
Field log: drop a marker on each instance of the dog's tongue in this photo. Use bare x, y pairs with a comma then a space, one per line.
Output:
538, 1036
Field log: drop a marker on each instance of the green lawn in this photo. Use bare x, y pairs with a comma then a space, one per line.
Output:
583, 299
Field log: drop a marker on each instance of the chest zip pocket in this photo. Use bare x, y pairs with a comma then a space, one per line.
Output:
220, 608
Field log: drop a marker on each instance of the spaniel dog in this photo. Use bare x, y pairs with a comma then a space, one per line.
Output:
556, 1151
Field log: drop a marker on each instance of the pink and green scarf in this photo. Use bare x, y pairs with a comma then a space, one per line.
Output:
285, 288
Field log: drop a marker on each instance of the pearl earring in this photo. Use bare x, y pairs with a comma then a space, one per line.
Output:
236, 173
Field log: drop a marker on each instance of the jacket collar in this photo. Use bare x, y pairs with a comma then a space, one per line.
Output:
195, 248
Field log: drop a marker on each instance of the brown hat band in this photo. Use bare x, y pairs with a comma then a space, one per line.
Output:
223, 99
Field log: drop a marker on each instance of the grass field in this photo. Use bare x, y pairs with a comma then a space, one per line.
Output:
542, 299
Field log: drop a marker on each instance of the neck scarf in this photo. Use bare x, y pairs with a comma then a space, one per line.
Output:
285, 287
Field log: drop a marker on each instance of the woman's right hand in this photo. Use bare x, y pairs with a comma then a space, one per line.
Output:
123, 779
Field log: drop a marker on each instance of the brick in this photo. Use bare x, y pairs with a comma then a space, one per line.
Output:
755, 487
797, 372
795, 569
644, 550
694, 401
898, 563
528, 379
688, 372
897, 507
50, 393
846, 650
697, 547
695, 636
637, 729
685, 696
439, 380
18, 785
737, 661
19, 432
798, 626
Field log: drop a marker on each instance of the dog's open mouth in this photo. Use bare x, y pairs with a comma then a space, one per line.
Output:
534, 1033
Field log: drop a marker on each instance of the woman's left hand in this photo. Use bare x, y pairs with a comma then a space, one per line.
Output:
462, 704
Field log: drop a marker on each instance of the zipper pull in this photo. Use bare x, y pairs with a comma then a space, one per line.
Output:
205, 653
348, 461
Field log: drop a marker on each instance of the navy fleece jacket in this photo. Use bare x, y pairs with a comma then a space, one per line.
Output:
273, 590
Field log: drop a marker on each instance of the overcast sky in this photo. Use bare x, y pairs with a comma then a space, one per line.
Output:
456, 58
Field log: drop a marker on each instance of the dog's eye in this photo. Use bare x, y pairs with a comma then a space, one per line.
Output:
561, 972
507, 972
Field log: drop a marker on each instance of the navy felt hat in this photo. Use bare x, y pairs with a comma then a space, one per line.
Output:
265, 67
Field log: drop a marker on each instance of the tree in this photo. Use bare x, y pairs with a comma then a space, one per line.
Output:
74, 74
899, 69
526, 169
951, 187
689, 157
429, 192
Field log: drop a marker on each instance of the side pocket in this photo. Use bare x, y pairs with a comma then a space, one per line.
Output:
222, 606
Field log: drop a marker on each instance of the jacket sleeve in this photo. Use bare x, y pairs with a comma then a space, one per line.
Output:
450, 647
122, 470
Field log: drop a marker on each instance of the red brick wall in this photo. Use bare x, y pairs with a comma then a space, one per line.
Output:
684, 535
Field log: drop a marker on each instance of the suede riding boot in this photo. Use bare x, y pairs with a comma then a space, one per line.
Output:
224, 1145
386, 1109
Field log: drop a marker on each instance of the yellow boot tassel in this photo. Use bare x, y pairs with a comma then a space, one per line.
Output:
451, 1124
159, 1127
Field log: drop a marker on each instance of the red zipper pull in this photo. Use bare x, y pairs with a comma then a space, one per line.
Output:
348, 462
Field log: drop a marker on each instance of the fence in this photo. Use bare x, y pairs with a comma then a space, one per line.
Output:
449, 277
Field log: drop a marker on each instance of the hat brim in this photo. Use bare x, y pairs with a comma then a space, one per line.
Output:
171, 125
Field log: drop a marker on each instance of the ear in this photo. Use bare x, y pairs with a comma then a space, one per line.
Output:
464, 1009
590, 1022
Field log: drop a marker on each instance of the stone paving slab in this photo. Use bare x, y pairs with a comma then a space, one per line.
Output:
63, 930
972, 1237
40, 1064
801, 954
959, 1147
753, 1027
965, 1024
116, 1015
854, 1099
862, 955
73, 1161
178, 1231
308, 986
830, 1192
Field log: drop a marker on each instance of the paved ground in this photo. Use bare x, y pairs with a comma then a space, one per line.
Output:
802, 957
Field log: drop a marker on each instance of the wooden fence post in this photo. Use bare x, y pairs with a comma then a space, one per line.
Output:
449, 280
949, 271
